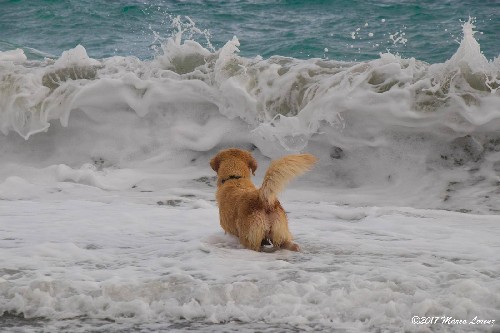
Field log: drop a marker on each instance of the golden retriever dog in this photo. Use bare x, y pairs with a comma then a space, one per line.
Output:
255, 215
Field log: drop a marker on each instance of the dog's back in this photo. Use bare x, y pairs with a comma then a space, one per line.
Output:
236, 199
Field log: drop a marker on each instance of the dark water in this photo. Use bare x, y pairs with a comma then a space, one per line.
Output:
426, 30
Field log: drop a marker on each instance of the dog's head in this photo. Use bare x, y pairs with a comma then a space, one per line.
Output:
233, 162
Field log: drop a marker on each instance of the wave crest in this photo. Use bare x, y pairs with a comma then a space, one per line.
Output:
398, 117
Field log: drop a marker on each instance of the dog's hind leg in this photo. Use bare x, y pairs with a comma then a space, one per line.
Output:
252, 241
280, 235
252, 231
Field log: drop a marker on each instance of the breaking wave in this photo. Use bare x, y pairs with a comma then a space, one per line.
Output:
427, 132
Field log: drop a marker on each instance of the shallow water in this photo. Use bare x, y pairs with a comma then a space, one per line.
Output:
122, 263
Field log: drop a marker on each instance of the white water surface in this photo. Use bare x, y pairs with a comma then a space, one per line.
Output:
107, 215
154, 257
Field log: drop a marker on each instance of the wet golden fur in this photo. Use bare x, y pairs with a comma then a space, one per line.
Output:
255, 215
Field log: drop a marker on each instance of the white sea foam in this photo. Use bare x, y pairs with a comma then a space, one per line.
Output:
16, 55
107, 205
398, 123
149, 265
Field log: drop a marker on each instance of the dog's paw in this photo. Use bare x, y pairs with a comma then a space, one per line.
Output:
266, 242
292, 247
267, 247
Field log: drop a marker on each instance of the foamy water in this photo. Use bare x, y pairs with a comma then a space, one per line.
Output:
107, 213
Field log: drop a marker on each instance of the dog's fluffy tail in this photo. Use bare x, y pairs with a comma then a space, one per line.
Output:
280, 172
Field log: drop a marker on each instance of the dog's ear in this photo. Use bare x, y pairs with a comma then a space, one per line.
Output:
252, 163
215, 162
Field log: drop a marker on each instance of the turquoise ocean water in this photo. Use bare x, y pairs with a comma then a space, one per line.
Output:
345, 30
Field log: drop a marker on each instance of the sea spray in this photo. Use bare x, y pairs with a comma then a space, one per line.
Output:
397, 122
